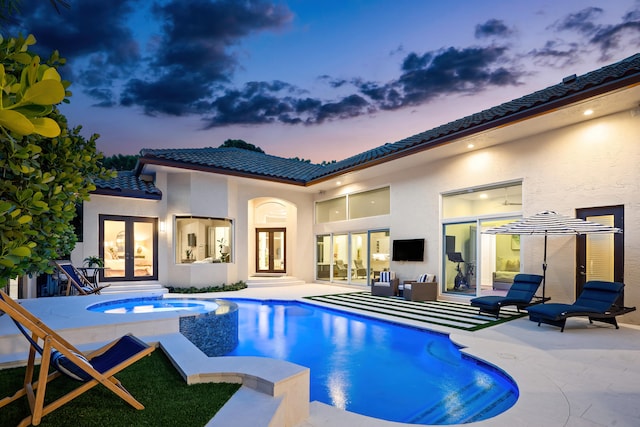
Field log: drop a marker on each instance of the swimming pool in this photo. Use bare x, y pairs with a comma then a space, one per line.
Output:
372, 367
153, 305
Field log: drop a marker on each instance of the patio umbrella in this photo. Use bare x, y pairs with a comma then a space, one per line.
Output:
549, 222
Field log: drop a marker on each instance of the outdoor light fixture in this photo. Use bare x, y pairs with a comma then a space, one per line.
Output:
588, 112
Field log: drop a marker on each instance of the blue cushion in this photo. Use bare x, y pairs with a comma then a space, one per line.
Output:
69, 368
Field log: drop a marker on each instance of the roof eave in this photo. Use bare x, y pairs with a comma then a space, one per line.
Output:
210, 169
127, 193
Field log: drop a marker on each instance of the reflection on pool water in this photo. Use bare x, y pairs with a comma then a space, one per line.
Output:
153, 305
373, 367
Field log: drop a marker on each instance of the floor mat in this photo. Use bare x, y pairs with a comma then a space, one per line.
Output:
443, 313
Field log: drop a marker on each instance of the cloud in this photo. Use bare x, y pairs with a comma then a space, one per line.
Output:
606, 38
195, 46
556, 54
493, 28
448, 71
89, 29
424, 77
609, 38
279, 102
581, 21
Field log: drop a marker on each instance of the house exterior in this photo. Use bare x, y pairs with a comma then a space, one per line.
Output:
202, 217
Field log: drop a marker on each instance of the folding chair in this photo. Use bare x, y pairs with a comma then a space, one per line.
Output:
77, 280
98, 367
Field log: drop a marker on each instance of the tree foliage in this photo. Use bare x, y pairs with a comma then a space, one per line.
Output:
43, 177
239, 143
120, 162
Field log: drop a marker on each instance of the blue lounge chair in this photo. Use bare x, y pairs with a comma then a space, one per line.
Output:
597, 302
98, 367
77, 281
521, 294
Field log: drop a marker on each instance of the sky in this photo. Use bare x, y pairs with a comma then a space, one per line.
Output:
315, 79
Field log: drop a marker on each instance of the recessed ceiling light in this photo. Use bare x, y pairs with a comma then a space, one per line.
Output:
588, 112
470, 145
338, 182
483, 196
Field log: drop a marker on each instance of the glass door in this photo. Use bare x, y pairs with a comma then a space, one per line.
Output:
601, 256
341, 257
359, 264
128, 246
460, 258
270, 250
379, 253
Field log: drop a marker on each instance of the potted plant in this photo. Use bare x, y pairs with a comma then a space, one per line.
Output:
93, 262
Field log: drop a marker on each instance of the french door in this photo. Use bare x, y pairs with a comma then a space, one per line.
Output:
129, 247
601, 256
271, 250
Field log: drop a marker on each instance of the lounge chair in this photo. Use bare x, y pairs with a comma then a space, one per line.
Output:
77, 280
597, 301
340, 269
98, 367
521, 294
386, 285
425, 288
360, 270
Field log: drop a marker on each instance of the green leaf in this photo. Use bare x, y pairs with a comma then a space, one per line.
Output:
51, 74
46, 92
21, 251
6, 262
16, 122
24, 219
46, 127
22, 58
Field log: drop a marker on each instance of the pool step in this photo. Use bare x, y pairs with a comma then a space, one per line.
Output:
129, 287
273, 281
471, 403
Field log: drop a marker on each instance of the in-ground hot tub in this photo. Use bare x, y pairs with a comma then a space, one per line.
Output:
210, 324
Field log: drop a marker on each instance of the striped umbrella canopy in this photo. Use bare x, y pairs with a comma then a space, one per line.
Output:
551, 223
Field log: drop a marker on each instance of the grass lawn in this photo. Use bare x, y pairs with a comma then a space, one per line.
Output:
153, 381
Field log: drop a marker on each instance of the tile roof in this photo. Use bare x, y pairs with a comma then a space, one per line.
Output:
252, 164
127, 184
234, 160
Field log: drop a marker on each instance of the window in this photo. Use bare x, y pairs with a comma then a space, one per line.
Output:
331, 210
203, 240
483, 201
369, 203
360, 205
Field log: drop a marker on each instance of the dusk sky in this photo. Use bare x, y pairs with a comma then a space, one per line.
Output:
315, 79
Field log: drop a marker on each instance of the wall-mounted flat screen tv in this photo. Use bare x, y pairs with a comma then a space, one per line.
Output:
408, 250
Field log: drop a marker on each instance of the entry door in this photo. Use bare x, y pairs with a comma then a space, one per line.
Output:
128, 246
271, 250
600, 256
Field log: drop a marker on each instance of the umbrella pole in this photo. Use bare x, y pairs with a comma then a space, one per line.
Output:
544, 266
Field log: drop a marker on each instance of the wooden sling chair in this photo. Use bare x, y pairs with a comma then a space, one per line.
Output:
77, 280
98, 367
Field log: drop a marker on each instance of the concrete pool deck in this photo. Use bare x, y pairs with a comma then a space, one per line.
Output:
587, 376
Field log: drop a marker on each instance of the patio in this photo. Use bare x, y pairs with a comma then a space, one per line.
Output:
587, 376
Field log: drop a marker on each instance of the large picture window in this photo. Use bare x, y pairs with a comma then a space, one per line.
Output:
203, 240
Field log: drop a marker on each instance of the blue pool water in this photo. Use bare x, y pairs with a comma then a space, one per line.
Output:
153, 305
375, 368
